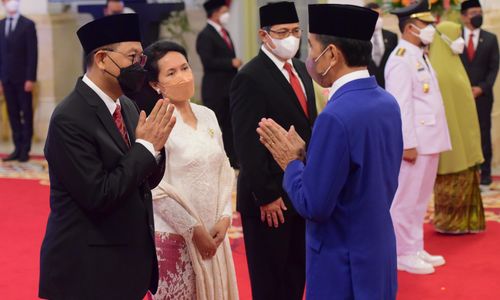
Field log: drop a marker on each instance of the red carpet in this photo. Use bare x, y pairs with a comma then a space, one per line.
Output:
472, 270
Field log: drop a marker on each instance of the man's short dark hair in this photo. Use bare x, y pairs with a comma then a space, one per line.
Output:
357, 53
211, 12
157, 51
402, 24
372, 5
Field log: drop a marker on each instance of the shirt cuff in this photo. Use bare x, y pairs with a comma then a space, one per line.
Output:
149, 146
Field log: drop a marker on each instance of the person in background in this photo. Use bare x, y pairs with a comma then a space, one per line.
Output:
480, 60
458, 206
220, 64
383, 43
104, 158
409, 76
18, 67
114, 7
273, 84
344, 184
192, 204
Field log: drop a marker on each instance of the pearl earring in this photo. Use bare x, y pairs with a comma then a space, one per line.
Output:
158, 91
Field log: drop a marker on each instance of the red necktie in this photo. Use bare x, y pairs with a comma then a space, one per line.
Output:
297, 88
117, 116
225, 36
471, 52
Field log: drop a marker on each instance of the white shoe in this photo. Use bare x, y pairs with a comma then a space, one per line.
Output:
434, 260
414, 264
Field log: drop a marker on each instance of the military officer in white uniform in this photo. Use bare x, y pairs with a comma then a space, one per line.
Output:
410, 78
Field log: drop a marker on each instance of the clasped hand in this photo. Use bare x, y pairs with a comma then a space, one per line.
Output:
206, 242
156, 128
285, 146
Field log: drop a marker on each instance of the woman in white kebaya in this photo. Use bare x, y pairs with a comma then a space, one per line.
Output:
192, 204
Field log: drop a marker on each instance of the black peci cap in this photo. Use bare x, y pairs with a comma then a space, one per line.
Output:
278, 13
343, 21
469, 4
109, 30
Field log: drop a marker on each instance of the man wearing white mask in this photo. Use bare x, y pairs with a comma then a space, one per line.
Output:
383, 42
220, 65
410, 77
18, 65
276, 85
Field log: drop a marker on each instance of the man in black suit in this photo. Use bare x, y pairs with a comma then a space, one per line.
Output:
480, 60
272, 85
104, 158
18, 64
383, 42
216, 51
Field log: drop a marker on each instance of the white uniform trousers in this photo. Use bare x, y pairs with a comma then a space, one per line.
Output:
416, 183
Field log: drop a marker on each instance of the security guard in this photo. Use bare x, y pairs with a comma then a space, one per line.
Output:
410, 78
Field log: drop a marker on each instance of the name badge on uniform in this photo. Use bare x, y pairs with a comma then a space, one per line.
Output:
426, 87
420, 67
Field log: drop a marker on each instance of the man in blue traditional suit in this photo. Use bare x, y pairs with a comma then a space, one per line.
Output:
345, 183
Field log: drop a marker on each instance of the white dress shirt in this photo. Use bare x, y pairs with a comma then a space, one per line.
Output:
346, 79
475, 40
378, 46
281, 66
15, 18
111, 105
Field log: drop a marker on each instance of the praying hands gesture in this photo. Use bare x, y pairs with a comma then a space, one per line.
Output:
285, 146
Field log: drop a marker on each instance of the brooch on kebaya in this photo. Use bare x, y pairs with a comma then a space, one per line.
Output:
211, 132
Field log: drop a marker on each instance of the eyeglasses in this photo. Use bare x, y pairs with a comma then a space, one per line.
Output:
141, 59
283, 34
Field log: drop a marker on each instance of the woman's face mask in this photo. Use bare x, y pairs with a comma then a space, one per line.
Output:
457, 46
178, 89
425, 34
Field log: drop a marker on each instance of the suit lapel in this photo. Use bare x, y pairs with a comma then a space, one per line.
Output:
311, 103
103, 113
219, 38
19, 25
127, 116
480, 44
278, 76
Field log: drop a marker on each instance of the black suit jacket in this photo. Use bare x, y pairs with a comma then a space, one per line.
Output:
483, 69
390, 42
18, 52
217, 59
261, 91
99, 241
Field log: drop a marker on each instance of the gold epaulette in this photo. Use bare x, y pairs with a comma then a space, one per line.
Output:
400, 52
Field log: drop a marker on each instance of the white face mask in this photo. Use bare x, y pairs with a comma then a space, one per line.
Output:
379, 24
426, 34
285, 48
457, 46
12, 6
224, 19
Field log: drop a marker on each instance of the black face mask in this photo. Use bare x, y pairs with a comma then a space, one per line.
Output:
131, 78
476, 21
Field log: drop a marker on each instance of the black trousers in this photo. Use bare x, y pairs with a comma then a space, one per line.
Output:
20, 110
484, 107
221, 110
276, 258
